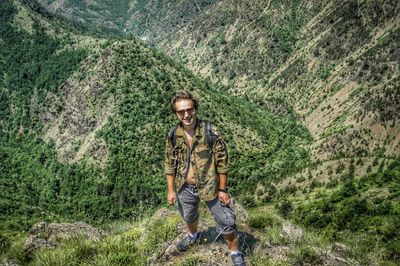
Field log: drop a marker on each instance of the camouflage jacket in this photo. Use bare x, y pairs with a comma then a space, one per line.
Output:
207, 165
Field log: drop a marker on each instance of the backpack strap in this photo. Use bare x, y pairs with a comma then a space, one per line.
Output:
172, 139
172, 136
210, 136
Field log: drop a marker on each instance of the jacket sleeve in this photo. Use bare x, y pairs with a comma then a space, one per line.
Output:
169, 162
220, 155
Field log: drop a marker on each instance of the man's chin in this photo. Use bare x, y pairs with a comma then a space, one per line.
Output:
188, 122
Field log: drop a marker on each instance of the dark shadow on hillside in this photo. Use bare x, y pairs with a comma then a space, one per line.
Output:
246, 240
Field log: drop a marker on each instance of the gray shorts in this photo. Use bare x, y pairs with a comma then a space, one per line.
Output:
188, 204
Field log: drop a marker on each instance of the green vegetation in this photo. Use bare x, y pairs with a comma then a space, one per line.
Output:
132, 247
115, 18
289, 57
359, 207
36, 186
263, 147
31, 65
298, 57
279, 246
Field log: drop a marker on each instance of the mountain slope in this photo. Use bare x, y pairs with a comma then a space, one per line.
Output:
87, 119
332, 63
83, 122
328, 60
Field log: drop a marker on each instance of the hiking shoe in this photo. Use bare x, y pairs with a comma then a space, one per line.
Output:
187, 242
238, 260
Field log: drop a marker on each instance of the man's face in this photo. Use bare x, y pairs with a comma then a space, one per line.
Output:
185, 112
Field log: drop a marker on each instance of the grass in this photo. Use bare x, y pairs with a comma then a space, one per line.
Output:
276, 248
127, 245
192, 260
134, 243
305, 254
264, 220
15, 248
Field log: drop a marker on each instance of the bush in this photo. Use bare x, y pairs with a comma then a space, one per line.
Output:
5, 244
307, 256
285, 208
264, 220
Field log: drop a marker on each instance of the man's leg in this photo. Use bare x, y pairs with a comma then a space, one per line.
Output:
225, 219
192, 227
232, 241
188, 203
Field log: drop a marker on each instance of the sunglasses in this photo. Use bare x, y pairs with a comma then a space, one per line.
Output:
182, 112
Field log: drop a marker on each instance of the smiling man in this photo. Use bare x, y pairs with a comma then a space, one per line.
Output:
196, 168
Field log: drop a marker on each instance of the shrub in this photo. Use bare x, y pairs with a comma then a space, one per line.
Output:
263, 220
285, 208
5, 244
307, 256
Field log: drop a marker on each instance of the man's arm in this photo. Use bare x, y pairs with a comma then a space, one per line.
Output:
221, 162
223, 196
223, 180
171, 194
169, 169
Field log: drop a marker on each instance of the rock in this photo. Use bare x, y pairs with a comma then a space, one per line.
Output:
8, 262
212, 249
331, 259
340, 249
162, 213
293, 232
337, 261
275, 252
44, 235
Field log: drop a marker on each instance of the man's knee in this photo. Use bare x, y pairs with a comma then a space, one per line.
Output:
226, 226
189, 212
224, 217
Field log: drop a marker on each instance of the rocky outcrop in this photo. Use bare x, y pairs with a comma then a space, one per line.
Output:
212, 249
8, 262
292, 232
44, 235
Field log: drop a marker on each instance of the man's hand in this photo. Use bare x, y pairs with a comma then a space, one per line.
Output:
171, 198
224, 198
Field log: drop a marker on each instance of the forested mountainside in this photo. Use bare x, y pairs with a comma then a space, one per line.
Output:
305, 94
84, 122
336, 64
151, 20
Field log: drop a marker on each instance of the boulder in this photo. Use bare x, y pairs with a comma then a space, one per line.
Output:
292, 232
340, 249
44, 235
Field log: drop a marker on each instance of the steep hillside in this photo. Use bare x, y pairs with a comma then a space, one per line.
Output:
150, 20
84, 121
334, 63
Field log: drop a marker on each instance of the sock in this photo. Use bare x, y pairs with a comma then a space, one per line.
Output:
193, 236
235, 252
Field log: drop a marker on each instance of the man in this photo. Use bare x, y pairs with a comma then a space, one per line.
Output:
196, 167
